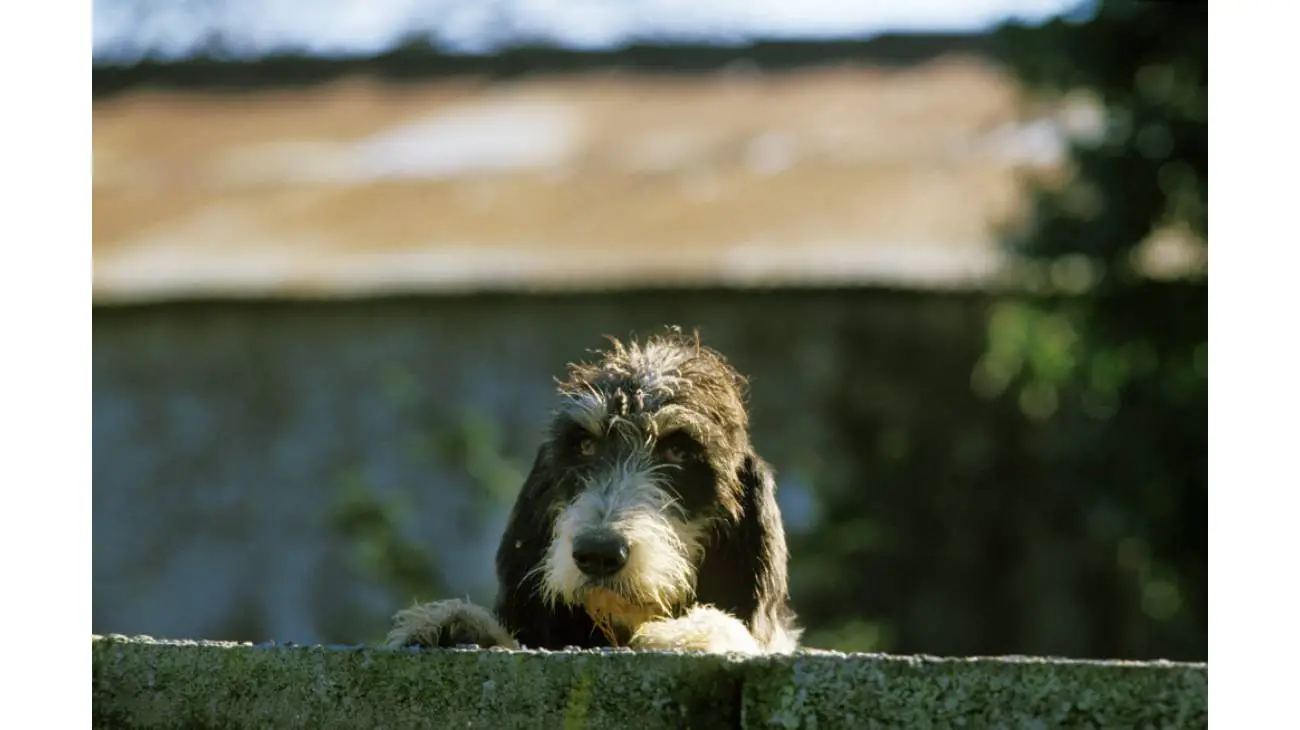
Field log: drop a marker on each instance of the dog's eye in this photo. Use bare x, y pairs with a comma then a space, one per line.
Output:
675, 454
587, 446
678, 448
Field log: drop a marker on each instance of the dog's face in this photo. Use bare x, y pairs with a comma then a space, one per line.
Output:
643, 456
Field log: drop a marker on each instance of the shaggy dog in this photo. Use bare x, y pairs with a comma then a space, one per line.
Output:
647, 521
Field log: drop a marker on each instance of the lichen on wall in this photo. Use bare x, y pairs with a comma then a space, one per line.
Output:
143, 683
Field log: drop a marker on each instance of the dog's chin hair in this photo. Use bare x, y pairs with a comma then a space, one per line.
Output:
658, 578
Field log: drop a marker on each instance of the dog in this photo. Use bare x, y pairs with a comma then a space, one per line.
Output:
647, 521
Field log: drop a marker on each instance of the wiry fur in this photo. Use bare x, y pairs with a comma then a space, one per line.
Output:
651, 444
449, 623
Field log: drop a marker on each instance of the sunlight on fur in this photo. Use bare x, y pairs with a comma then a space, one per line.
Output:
611, 611
703, 628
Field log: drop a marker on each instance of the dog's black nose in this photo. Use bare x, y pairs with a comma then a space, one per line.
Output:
600, 555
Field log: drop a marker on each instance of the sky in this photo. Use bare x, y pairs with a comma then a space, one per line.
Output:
128, 29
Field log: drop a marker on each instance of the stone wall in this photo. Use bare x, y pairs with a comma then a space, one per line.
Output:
141, 683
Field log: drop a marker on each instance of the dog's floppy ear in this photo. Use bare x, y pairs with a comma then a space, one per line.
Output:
523, 547
523, 544
762, 531
744, 571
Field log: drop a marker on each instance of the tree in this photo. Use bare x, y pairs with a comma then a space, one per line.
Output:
1055, 501
1113, 347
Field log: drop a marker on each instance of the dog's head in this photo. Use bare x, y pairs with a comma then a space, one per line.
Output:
643, 465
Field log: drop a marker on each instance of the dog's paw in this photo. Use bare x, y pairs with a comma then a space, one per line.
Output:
446, 624
703, 628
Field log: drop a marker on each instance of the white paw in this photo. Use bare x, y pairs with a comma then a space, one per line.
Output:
703, 628
448, 623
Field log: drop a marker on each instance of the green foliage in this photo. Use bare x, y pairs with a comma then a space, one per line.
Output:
1122, 362
1050, 499
476, 444
374, 526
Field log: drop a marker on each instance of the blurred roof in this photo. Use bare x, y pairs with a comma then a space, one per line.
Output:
820, 176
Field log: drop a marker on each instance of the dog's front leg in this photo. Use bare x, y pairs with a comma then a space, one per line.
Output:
446, 624
703, 628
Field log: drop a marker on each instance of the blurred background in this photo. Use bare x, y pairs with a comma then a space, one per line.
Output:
341, 247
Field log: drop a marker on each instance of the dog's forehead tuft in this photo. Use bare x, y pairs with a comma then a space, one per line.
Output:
661, 370
667, 377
